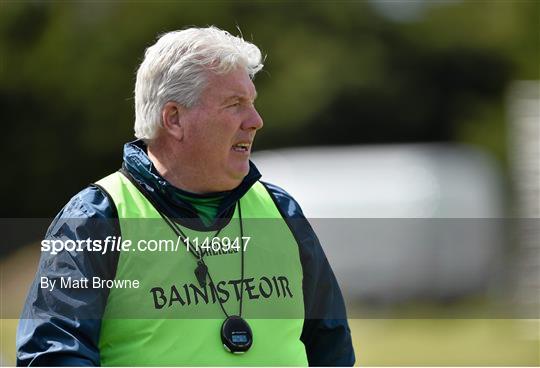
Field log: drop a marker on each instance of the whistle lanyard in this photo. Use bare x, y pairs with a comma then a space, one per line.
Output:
201, 271
236, 334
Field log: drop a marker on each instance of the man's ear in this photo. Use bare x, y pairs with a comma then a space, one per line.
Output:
172, 123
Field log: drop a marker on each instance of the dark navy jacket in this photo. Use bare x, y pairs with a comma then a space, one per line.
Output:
50, 333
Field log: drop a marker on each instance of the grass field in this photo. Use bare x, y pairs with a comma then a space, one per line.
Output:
426, 342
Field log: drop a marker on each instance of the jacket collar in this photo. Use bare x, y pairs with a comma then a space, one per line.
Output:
139, 166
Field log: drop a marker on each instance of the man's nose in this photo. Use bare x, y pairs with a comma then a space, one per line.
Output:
253, 121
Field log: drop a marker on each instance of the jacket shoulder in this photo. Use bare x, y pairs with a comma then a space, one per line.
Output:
91, 202
285, 202
90, 207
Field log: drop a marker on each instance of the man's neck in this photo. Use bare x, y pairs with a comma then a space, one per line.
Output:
181, 175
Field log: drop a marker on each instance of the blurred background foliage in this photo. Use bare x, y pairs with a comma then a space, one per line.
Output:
336, 72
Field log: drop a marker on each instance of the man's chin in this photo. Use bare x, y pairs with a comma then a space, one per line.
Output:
239, 172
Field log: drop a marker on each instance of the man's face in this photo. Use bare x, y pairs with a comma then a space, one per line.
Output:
219, 130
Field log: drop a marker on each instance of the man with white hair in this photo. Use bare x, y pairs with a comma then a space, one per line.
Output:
249, 285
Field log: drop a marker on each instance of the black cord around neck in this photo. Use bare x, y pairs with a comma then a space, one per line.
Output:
199, 255
213, 286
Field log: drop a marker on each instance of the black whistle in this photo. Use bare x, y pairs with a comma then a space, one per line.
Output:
200, 272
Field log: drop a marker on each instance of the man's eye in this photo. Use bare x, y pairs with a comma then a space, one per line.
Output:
234, 104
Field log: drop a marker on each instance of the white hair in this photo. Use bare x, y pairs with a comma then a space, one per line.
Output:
175, 69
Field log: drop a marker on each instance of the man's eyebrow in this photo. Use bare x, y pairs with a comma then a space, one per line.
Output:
239, 97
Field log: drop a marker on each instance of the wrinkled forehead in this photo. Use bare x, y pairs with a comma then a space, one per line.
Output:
235, 83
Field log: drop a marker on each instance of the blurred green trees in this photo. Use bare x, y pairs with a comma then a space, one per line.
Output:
335, 73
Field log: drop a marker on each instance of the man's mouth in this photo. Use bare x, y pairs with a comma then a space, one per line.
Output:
241, 147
